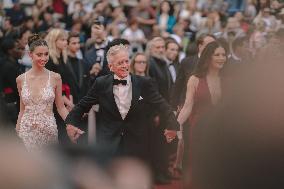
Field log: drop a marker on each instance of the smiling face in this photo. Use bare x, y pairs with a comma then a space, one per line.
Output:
172, 51
40, 56
218, 59
119, 63
140, 64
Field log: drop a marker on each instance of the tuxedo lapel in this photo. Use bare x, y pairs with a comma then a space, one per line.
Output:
110, 96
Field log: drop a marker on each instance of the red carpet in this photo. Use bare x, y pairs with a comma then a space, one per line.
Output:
176, 184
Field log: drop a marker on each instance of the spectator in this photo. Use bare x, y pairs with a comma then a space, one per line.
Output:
79, 74
10, 70
57, 43
145, 15
165, 19
16, 14
139, 65
95, 47
135, 36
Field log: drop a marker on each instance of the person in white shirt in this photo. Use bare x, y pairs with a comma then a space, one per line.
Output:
122, 117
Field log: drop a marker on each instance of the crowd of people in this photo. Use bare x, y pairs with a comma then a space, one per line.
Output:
135, 78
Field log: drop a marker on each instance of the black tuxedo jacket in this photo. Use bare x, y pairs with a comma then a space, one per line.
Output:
158, 70
128, 136
79, 86
186, 69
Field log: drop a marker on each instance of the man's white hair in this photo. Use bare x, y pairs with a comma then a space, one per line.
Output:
150, 45
114, 50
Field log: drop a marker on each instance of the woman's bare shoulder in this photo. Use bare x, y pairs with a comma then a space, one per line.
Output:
193, 80
20, 78
55, 75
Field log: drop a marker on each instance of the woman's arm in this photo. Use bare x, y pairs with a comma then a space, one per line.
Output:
22, 106
189, 100
62, 110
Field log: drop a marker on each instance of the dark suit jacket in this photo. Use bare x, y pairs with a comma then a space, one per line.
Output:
186, 69
158, 70
10, 70
90, 59
79, 86
128, 136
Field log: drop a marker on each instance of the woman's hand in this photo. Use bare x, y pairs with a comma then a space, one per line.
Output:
69, 103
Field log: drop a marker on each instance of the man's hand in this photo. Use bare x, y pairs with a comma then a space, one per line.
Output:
74, 133
170, 135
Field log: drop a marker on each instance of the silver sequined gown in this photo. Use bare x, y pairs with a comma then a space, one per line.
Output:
38, 126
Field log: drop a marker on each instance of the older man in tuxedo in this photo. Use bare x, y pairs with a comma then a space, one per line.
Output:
123, 100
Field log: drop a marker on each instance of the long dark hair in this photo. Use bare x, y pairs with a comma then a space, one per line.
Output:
171, 11
205, 58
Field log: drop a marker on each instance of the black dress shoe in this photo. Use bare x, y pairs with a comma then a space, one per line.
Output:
161, 179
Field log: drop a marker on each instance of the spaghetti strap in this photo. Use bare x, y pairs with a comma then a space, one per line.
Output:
48, 82
25, 78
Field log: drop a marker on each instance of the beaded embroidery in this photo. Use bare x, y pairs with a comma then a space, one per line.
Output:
38, 126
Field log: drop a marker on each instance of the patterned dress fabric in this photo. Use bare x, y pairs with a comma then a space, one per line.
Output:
38, 126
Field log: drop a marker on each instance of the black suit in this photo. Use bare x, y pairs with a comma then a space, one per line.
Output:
78, 76
158, 70
186, 69
91, 58
10, 70
128, 136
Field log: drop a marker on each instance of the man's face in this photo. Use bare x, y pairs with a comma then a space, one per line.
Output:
158, 49
74, 44
206, 41
119, 64
172, 51
16, 52
98, 33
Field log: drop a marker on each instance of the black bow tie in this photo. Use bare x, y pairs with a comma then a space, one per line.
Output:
117, 82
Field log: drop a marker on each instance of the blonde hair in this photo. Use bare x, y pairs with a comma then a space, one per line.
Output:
114, 50
51, 39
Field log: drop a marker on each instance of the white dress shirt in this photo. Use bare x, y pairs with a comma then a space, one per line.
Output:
172, 70
123, 96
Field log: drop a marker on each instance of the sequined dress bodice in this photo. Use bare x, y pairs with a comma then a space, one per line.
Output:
38, 127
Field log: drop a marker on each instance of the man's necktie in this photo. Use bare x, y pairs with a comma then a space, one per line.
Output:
117, 82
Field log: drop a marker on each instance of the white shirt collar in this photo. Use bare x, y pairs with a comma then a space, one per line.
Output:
168, 61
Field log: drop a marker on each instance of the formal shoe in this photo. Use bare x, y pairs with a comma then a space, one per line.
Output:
161, 179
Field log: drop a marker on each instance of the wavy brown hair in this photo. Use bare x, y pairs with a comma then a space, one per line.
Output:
205, 58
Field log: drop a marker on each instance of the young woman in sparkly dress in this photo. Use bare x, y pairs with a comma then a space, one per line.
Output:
39, 88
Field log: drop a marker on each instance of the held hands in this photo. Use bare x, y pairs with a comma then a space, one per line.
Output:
74, 133
170, 135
